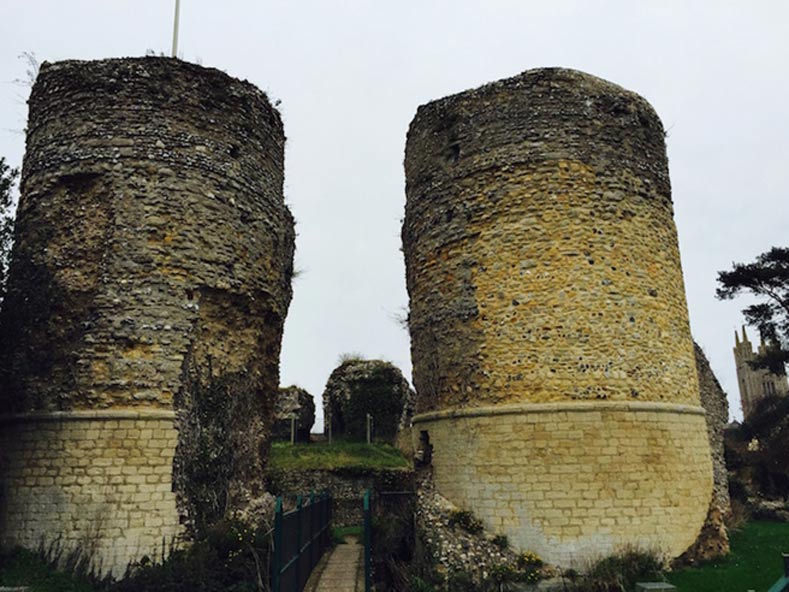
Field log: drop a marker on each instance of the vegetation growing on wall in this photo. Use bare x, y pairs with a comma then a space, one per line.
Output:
218, 463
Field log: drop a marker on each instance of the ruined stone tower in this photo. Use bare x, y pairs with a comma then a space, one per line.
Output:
152, 238
551, 348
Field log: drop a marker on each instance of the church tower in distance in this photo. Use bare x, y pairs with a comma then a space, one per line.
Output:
755, 384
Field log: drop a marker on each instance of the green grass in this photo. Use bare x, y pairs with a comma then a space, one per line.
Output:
321, 455
25, 568
339, 533
753, 564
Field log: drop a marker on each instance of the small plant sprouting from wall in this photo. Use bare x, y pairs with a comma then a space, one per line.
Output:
501, 541
465, 520
219, 454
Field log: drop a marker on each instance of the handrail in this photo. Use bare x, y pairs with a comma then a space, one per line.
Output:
368, 526
301, 536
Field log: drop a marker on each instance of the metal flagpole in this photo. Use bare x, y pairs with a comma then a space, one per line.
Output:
175, 28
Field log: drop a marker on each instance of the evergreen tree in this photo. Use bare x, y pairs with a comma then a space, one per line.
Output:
768, 279
7, 179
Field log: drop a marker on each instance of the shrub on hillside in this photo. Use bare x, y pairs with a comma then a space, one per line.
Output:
757, 452
232, 557
618, 573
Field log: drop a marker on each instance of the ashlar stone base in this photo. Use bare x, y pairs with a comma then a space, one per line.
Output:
97, 481
578, 481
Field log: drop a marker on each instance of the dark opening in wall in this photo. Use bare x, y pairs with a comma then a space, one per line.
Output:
425, 451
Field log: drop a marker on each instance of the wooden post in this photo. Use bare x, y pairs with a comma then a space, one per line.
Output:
369, 428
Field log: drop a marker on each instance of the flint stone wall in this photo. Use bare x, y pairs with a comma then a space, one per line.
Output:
357, 387
713, 541
346, 485
293, 401
151, 238
716, 405
151, 227
543, 270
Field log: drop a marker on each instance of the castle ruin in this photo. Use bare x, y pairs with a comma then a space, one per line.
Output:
152, 238
553, 361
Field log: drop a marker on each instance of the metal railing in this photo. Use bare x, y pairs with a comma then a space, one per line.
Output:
300, 538
783, 583
368, 537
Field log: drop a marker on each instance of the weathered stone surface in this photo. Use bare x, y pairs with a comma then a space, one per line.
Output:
293, 401
101, 482
357, 387
346, 485
713, 540
152, 243
151, 228
544, 279
449, 547
576, 482
715, 403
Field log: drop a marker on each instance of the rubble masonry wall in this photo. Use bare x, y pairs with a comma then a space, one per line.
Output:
550, 339
151, 237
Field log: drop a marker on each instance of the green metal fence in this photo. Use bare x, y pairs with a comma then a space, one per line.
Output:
783, 583
368, 537
300, 538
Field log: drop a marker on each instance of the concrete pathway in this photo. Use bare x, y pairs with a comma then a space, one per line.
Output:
343, 569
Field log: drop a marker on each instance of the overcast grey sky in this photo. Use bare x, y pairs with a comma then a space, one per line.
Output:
350, 75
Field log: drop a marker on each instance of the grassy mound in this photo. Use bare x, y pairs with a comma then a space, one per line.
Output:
321, 455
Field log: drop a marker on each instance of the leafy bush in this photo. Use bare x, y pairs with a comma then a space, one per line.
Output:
529, 560
761, 470
233, 557
460, 581
620, 572
393, 542
501, 541
526, 570
39, 569
465, 520
8, 178
218, 457
417, 584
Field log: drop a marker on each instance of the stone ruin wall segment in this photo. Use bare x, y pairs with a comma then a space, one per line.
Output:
551, 347
151, 234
